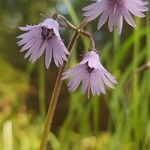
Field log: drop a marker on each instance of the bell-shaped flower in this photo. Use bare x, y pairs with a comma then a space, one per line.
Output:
115, 11
41, 38
91, 74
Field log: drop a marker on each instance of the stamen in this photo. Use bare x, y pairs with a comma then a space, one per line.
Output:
47, 33
89, 69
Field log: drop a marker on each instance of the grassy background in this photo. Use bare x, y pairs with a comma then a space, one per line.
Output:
119, 120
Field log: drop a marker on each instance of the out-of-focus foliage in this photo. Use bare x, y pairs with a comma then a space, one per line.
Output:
119, 120
13, 83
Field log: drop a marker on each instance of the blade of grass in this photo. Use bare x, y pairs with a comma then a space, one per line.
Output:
125, 48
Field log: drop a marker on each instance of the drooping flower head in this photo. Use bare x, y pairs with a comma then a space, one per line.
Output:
43, 37
91, 73
115, 11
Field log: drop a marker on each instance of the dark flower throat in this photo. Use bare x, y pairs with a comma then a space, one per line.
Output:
89, 69
47, 33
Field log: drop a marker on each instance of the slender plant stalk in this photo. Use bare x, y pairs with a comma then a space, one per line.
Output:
96, 116
135, 100
148, 35
135, 64
41, 93
55, 96
116, 44
116, 39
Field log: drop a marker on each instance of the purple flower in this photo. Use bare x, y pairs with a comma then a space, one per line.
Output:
115, 11
43, 37
92, 75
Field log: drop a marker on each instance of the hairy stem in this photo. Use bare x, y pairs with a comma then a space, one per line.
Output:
55, 96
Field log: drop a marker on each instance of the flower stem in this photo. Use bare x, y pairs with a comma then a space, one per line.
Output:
55, 96
74, 28
41, 92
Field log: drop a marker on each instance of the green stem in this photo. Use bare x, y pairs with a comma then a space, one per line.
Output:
41, 93
55, 96
148, 35
116, 40
96, 115
135, 100
135, 66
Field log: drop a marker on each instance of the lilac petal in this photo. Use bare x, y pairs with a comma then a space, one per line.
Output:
92, 6
94, 10
76, 79
96, 83
107, 81
33, 48
101, 85
102, 19
59, 51
92, 86
137, 5
85, 82
136, 13
48, 56
30, 33
91, 15
74, 83
29, 38
92, 59
61, 44
27, 28
28, 45
38, 52
69, 73
110, 77
57, 58
128, 18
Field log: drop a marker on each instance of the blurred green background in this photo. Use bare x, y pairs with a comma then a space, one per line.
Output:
119, 120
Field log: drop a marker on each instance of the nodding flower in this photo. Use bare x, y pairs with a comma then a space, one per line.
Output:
43, 37
114, 11
91, 74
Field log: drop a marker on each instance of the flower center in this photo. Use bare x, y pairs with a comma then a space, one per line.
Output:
47, 33
89, 69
